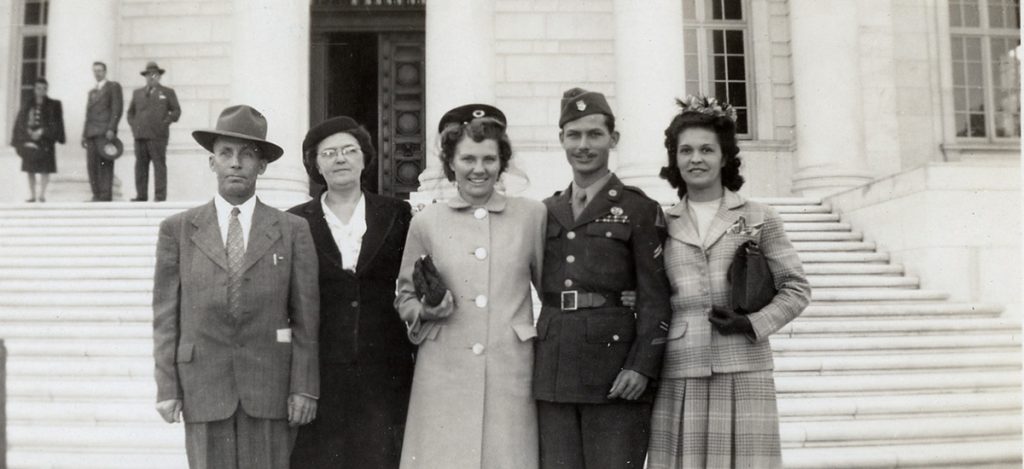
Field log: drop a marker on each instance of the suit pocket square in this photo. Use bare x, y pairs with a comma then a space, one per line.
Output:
284, 336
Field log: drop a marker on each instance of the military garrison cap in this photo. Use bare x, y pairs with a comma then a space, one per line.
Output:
578, 102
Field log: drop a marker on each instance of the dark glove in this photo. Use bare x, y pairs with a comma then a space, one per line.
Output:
730, 322
430, 288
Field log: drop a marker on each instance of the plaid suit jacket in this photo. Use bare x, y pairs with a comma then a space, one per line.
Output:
215, 361
698, 275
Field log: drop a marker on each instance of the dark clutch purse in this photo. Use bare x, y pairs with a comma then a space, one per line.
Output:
29, 153
750, 279
427, 281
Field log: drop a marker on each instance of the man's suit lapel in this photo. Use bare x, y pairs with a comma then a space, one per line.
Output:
206, 235
379, 220
262, 234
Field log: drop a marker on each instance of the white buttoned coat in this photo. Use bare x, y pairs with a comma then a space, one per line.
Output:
471, 404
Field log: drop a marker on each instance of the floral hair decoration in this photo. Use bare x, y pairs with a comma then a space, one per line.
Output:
707, 105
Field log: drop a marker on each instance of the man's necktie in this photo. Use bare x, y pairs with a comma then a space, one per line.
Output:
579, 202
236, 253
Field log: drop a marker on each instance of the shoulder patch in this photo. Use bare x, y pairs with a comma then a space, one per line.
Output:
636, 190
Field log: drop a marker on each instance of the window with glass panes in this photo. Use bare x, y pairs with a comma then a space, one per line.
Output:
32, 35
985, 44
717, 61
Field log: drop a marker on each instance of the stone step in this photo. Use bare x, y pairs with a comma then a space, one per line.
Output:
886, 384
793, 409
809, 217
26, 412
96, 331
834, 246
91, 213
158, 436
10, 232
112, 287
89, 458
788, 201
898, 430
63, 299
930, 360
70, 225
24, 367
817, 226
77, 273
825, 236
65, 348
78, 260
875, 294
992, 453
802, 209
783, 345
80, 389
106, 250
29, 209
105, 313
896, 310
861, 281
895, 326
834, 257
849, 268
80, 241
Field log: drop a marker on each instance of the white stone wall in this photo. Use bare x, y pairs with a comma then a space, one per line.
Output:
191, 39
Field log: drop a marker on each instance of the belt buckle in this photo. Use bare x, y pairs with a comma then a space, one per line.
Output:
570, 300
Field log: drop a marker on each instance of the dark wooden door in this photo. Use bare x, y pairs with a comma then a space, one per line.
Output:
401, 127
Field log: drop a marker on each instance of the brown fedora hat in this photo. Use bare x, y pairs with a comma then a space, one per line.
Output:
152, 67
241, 122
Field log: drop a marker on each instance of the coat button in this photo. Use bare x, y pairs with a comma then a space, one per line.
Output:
355, 304
480, 253
480, 213
481, 301
607, 234
570, 258
478, 349
615, 337
571, 235
568, 282
613, 192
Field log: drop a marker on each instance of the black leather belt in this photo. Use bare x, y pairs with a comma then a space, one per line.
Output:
572, 300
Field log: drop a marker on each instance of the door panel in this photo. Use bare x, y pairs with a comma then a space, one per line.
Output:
401, 136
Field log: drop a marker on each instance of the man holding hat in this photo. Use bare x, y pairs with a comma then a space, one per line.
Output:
102, 114
154, 107
595, 358
236, 311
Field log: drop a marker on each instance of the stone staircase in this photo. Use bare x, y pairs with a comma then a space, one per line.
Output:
876, 372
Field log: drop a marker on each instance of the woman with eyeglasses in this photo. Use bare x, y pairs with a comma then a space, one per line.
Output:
366, 362
471, 404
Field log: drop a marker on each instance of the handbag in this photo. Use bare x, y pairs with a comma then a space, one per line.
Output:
751, 283
29, 153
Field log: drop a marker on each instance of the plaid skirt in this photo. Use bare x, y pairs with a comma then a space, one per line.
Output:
728, 420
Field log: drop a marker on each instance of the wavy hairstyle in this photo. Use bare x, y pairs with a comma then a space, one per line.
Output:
724, 128
478, 130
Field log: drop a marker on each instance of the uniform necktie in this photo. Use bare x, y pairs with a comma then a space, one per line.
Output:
236, 252
579, 202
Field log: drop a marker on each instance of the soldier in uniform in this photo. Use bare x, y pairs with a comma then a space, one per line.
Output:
595, 358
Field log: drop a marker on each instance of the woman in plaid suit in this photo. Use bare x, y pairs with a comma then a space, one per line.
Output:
715, 405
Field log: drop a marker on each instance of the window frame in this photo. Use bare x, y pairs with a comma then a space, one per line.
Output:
20, 31
985, 33
704, 27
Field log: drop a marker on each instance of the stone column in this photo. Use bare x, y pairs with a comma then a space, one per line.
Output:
648, 78
827, 88
77, 34
270, 72
460, 70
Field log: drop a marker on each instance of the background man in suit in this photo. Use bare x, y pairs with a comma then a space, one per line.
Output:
236, 311
102, 114
594, 357
154, 107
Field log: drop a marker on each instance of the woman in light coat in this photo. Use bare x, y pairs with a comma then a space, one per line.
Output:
716, 403
471, 405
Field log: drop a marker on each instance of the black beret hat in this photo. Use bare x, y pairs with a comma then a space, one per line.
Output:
578, 102
468, 112
326, 129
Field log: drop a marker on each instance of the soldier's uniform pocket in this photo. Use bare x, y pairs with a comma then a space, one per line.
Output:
608, 340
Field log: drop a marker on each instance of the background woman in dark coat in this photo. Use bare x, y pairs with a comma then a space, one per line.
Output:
38, 129
366, 362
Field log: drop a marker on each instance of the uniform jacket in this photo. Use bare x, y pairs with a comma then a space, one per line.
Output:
471, 405
699, 281
103, 110
614, 246
150, 117
215, 361
51, 118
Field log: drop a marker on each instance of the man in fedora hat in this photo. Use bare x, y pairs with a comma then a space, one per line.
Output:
154, 107
102, 114
236, 311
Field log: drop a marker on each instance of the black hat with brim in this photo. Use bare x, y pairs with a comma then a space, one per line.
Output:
112, 149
